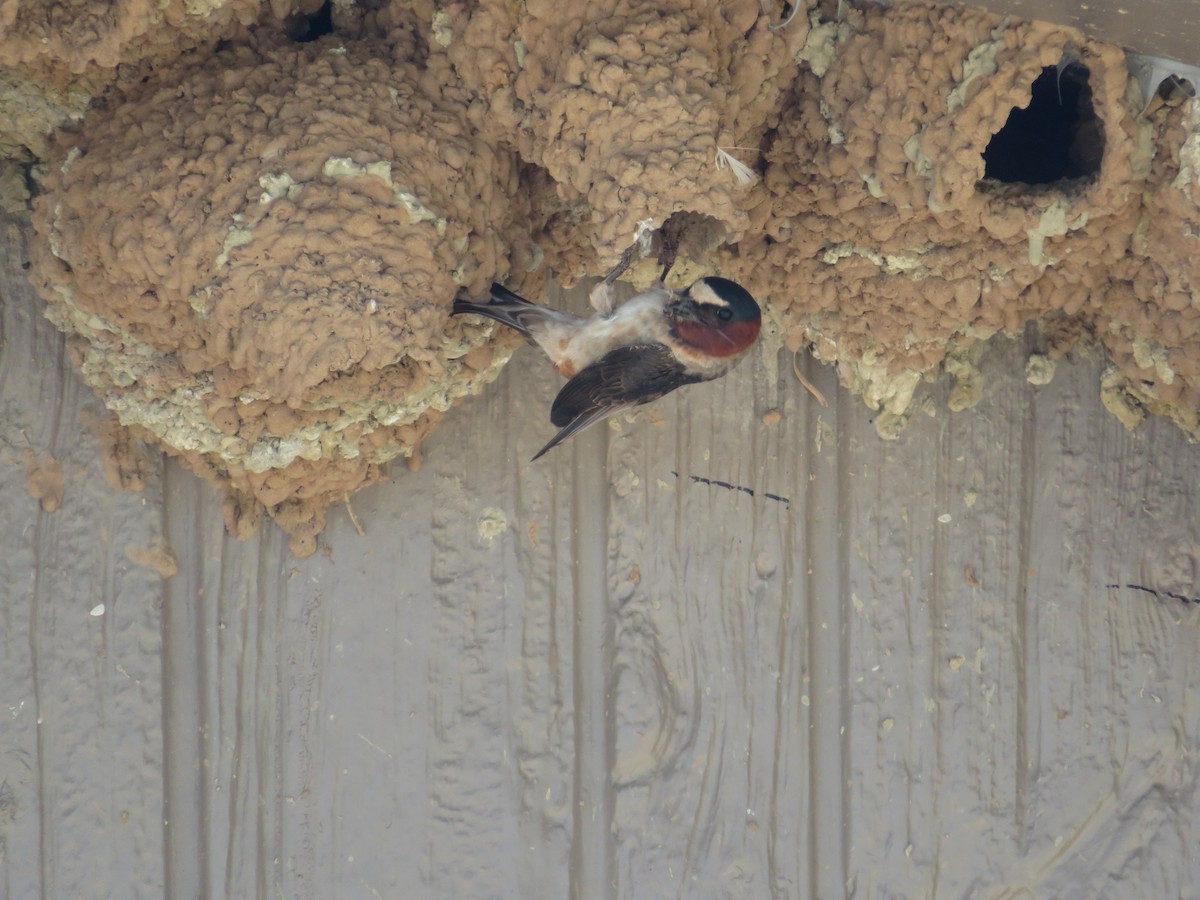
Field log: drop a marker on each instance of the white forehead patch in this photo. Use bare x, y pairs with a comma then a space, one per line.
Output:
702, 293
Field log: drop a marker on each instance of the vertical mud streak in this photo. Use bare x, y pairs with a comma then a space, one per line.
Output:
593, 853
827, 580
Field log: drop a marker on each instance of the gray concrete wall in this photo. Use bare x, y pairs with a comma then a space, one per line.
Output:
603, 676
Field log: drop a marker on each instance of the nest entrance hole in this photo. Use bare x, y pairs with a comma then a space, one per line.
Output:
1057, 137
304, 29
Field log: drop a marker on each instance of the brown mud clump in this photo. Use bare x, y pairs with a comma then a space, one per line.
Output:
627, 104
44, 480
258, 254
945, 175
55, 55
255, 242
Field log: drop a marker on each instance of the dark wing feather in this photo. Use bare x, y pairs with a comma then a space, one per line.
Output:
501, 294
625, 377
575, 425
512, 310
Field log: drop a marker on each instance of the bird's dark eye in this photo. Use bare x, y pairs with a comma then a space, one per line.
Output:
725, 314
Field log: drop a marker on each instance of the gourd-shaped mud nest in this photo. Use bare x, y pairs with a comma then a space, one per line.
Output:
257, 255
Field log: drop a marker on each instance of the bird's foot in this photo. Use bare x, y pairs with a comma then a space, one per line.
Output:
643, 240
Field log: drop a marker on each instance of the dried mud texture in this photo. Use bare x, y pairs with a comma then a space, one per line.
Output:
879, 242
55, 56
29, 112
159, 558
624, 104
14, 188
258, 256
44, 480
257, 246
58, 39
1150, 318
125, 464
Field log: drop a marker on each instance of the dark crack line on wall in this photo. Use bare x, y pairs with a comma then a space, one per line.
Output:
697, 479
1183, 598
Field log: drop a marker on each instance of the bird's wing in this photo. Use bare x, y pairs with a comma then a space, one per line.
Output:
625, 377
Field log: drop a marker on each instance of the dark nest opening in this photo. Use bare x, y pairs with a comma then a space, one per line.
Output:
304, 29
1057, 137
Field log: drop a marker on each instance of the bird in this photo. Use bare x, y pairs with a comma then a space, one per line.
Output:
652, 344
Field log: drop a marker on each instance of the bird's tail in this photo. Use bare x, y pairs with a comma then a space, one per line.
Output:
507, 308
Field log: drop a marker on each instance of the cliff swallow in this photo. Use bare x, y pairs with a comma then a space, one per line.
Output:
654, 343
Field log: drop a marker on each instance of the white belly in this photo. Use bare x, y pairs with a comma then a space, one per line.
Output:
638, 321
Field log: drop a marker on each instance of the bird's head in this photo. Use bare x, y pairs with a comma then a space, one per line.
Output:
716, 316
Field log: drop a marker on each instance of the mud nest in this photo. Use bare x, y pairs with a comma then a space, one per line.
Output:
256, 242
256, 255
